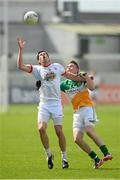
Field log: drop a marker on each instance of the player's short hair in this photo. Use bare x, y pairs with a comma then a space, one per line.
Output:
75, 63
41, 52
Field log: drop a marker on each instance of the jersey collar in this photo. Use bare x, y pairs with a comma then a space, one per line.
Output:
46, 65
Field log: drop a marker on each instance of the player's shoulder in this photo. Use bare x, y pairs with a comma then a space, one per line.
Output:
57, 65
36, 66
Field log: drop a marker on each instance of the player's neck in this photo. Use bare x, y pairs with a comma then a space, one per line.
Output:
46, 65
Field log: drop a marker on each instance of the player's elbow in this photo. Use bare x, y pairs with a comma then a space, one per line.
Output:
20, 66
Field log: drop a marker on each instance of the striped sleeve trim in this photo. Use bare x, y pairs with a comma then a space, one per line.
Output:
31, 69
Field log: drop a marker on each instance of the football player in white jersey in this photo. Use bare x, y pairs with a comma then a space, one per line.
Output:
50, 98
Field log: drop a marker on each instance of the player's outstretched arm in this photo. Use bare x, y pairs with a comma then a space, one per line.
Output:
72, 76
20, 65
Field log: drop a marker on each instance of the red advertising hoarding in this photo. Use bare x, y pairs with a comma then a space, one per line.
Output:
109, 94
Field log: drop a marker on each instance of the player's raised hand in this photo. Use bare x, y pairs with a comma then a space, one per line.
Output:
21, 42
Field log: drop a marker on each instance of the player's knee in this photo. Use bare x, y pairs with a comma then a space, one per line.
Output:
42, 129
59, 132
89, 131
77, 140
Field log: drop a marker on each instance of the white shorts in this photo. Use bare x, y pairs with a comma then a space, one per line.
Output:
47, 111
84, 116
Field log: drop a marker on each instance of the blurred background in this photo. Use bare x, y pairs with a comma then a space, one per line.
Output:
85, 30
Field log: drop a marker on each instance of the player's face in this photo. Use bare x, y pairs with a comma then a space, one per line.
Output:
43, 60
72, 68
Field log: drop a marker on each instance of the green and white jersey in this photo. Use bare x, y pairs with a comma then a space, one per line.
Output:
77, 92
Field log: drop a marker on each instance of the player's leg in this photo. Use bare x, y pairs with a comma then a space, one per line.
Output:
89, 128
43, 117
99, 142
61, 137
78, 132
57, 116
62, 144
92, 134
42, 126
78, 139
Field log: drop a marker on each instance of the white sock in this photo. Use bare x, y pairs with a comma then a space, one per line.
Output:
48, 152
64, 155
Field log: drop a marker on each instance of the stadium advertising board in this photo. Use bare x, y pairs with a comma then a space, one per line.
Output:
23, 95
109, 94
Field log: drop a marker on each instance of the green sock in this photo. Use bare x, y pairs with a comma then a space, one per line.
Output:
104, 150
94, 156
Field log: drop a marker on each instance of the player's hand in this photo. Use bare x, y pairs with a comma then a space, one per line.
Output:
21, 42
83, 75
86, 76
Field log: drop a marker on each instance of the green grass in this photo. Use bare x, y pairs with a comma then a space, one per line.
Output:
22, 155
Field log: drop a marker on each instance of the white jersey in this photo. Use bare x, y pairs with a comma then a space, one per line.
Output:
50, 78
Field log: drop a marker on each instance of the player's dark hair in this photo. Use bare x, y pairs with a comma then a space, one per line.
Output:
75, 63
38, 85
41, 52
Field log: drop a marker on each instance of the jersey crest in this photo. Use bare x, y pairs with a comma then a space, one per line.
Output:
50, 76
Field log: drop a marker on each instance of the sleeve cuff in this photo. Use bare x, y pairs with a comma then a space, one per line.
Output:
31, 69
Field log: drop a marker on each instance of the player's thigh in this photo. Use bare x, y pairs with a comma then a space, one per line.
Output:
89, 116
42, 126
78, 122
77, 134
57, 114
89, 129
43, 113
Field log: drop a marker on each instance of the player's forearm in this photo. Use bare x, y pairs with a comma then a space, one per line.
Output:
20, 64
19, 59
73, 77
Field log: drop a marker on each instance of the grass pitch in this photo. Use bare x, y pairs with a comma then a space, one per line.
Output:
22, 155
